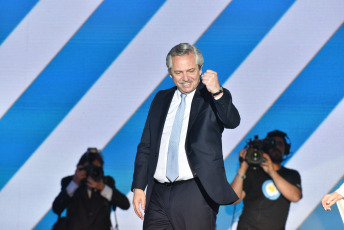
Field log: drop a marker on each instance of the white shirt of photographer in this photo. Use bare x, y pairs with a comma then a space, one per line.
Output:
106, 192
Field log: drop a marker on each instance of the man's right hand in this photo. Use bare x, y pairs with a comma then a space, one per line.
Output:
238, 182
79, 174
243, 165
139, 200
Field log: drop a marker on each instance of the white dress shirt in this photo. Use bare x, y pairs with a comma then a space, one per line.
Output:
340, 190
106, 192
185, 172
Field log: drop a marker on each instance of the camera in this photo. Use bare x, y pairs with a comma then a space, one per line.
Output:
256, 147
93, 171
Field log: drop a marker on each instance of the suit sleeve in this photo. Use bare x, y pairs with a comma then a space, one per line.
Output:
140, 177
118, 199
226, 111
63, 199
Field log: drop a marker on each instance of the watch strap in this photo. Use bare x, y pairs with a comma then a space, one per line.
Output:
218, 92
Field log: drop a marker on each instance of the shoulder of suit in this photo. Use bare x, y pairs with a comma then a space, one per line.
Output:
167, 91
66, 180
109, 181
164, 93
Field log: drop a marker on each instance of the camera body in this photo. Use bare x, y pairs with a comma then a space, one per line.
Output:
255, 149
93, 171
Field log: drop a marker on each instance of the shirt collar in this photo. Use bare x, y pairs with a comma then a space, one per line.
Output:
189, 95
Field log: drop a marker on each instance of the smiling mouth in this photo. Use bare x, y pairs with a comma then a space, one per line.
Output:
185, 83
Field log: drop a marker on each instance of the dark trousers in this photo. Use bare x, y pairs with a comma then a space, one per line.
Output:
180, 206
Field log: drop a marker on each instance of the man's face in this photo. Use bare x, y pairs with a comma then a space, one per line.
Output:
95, 163
276, 154
185, 73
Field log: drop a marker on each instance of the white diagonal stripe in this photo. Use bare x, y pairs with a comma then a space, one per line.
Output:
36, 41
278, 59
103, 111
128, 219
323, 154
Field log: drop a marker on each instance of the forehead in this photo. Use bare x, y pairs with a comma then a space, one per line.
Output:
279, 140
95, 162
184, 61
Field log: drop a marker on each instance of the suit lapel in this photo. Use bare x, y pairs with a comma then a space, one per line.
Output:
166, 99
196, 105
163, 108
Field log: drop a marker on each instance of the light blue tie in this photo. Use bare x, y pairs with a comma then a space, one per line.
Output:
173, 146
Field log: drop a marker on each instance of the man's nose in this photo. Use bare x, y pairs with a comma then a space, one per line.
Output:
185, 77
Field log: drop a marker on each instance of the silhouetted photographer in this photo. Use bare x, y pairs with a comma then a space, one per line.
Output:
88, 196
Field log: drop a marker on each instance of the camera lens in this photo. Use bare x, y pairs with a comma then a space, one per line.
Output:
254, 156
95, 172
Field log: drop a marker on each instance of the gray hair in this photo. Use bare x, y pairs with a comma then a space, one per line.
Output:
184, 49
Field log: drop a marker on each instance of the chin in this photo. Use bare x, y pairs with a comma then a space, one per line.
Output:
277, 160
185, 91
276, 156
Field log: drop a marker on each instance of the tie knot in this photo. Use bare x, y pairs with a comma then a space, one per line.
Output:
182, 96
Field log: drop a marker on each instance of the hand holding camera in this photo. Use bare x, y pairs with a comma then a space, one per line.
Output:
267, 164
92, 174
79, 175
90, 171
256, 149
99, 185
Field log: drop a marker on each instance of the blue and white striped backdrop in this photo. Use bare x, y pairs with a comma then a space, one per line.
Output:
77, 74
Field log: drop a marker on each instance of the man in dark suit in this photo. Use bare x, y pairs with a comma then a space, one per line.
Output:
88, 195
183, 164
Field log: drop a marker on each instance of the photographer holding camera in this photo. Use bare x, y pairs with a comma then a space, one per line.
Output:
264, 185
88, 195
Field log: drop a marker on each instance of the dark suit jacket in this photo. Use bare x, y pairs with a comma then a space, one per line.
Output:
203, 145
88, 213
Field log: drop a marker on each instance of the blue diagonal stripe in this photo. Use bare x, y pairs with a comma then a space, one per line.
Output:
67, 78
301, 108
11, 13
237, 32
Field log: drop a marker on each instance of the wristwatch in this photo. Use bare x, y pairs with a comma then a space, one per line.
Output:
241, 176
218, 92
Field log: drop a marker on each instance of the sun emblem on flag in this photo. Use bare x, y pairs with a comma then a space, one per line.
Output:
270, 191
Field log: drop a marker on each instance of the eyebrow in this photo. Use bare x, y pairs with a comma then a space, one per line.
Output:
188, 70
